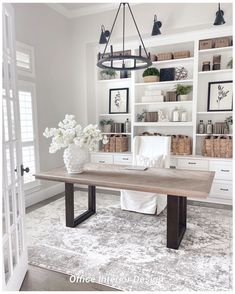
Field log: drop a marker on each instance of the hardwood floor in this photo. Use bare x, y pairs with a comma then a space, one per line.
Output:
39, 279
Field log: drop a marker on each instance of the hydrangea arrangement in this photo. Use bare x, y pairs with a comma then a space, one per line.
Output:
69, 132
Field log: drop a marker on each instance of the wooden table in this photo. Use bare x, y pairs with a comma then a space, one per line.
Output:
176, 184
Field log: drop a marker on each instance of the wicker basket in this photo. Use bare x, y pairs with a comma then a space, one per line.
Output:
112, 144
205, 44
106, 147
217, 147
222, 42
181, 54
164, 56
181, 145
121, 144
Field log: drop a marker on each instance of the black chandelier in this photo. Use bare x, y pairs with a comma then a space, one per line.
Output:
107, 60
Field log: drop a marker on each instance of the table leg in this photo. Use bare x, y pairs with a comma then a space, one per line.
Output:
176, 220
69, 205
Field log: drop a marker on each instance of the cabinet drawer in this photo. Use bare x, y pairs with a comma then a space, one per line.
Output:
100, 158
193, 164
122, 159
222, 190
223, 170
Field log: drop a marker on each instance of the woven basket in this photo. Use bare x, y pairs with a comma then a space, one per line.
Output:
222, 42
181, 145
105, 147
205, 44
217, 147
181, 54
112, 144
121, 144
164, 56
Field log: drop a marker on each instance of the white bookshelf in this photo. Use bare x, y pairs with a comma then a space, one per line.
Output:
196, 106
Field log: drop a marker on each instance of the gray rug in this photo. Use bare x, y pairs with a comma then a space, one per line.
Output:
127, 250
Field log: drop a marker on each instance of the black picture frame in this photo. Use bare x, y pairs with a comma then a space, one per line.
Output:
213, 101
124, 97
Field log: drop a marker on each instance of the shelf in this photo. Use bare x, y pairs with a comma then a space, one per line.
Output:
180, 60
162, 124
115, 81
204, 135
113, 153
221, 71
214, 50
164, 103
214, 112
115, 114
128, 134
165, 83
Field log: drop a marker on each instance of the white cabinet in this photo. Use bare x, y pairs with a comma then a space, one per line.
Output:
195, 164
122, 159
111, 158
222, 187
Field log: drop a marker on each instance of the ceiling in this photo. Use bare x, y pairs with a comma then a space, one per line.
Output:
72, 10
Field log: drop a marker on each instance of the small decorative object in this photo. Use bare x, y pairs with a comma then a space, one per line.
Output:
167, 74
151, 75
229, 124
124, 74
118, 127
108, 74
230, 63
181, 54
141, 116
118, 100
201, 127
162, 117
151, 116
184, 116
76, 141
222, 42
220, 128
216, 66
106, 125
205, 44
176, 115
209, 127
217, 58
182, 92
181, 73
220, 96
170, 96
164, 56
127, 126
206, 66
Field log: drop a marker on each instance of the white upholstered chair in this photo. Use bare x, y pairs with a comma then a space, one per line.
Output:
153, 151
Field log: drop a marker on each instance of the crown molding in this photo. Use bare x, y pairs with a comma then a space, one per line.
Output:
83, 11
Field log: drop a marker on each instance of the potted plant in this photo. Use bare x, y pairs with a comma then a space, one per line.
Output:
106, 125
230, 63
151, 75
229, 124
182, 92
107, 74
141, 116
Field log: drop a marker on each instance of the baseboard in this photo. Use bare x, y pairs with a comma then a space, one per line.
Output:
43, 194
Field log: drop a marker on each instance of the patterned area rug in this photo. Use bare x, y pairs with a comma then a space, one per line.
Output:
127, 250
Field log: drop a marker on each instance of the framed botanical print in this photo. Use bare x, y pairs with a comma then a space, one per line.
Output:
118, 100
220, 96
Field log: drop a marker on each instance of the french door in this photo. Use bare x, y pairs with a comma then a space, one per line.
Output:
13, 239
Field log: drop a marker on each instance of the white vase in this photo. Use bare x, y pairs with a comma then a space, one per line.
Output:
75, 158
183, 97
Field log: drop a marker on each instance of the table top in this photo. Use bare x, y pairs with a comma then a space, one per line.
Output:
187, 183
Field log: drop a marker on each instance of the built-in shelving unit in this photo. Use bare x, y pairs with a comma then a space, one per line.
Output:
196, 106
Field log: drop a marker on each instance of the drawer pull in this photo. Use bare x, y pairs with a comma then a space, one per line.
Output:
223, 189
125, 158
101, 161
225, 170
192, 162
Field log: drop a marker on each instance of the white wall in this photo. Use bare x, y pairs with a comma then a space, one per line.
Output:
49, 33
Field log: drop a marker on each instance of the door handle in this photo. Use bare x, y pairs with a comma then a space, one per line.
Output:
23, 170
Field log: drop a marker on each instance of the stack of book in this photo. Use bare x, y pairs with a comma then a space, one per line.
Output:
153, 96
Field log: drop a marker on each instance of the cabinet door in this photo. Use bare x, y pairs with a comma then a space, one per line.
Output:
194, 164
102, 158
223, 170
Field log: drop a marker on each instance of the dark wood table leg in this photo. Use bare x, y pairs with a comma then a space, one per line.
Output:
69, 205
176, 220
